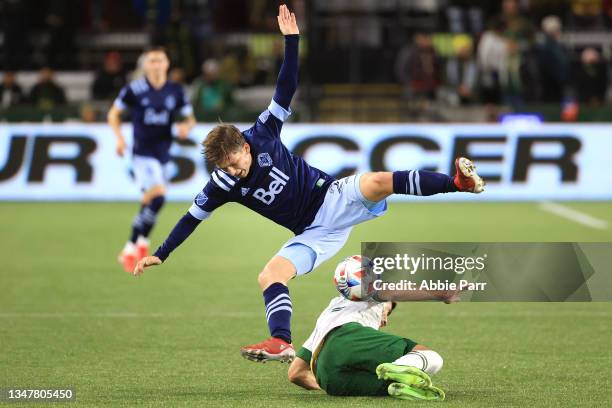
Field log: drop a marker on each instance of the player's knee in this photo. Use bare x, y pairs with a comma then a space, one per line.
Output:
376, 185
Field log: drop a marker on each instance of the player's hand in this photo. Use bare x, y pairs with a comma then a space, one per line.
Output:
145, 263
451, 296
120, 148
182, 131
286, 21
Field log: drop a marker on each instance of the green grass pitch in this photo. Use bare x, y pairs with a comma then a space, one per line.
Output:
70, 317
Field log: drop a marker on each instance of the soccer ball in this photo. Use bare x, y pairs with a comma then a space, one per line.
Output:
351, 278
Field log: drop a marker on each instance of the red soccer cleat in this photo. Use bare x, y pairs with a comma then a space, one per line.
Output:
128, 259
142, 248
273, 349
466, 178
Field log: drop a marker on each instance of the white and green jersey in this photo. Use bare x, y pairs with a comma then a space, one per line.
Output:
341, 311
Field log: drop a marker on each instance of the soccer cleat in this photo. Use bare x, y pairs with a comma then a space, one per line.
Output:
412, 393
142, 247
466, 178
128, 259
403, 374
273, 349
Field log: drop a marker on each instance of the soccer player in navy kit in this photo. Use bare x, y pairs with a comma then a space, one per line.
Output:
255, 169
155, 104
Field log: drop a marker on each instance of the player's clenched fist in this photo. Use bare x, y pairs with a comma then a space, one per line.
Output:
286, 21
145, 263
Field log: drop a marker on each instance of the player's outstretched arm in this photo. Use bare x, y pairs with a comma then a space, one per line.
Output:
287, 21
446, 296
178, 235
145, 263
300, 374
287, 81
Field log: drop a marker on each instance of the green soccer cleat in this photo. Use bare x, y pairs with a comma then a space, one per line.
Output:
403, 374
411, 393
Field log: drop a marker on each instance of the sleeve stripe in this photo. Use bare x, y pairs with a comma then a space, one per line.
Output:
278, 111
226, 177
187, 110
119, 104
218, 182
198, 213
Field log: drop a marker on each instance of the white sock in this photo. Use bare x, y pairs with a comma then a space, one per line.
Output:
426, 360
142, 241
129, 247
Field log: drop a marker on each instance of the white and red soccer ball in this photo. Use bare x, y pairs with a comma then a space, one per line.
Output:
352, 279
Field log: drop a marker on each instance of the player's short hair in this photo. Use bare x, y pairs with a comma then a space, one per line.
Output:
156, 48
220, 142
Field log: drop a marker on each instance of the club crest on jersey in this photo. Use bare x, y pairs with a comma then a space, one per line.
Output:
170, 102
264, 160
244, 191
201, 199
145, 101
278, 183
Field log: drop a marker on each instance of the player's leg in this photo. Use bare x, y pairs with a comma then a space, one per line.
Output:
379, 185
391, 358
152, 202
273, 281
297, 257
149, 174
419, 363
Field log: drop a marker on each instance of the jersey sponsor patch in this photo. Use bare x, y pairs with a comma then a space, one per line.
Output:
278, 183
151, 117
264, 160
201, 199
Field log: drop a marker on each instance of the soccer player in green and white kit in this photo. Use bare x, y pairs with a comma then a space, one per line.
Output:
347, 354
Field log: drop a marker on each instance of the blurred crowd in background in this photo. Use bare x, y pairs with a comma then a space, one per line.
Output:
362, 60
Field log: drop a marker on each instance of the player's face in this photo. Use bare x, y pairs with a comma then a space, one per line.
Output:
238, 163
156, 64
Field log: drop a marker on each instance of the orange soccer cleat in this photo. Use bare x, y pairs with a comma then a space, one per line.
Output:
273, 349
466, 178
142, 248
128, 258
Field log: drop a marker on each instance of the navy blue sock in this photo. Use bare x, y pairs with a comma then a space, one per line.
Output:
137, 225
422, 183
278, 311
149, 215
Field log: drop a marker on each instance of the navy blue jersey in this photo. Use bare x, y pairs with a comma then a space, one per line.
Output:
280, 185
153, 111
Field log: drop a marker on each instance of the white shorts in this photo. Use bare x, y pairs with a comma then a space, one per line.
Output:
149, 172
344, 206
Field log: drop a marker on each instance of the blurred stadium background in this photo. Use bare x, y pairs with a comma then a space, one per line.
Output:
364, 61
384, 84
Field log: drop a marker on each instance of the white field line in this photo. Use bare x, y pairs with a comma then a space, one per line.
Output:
573, 215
